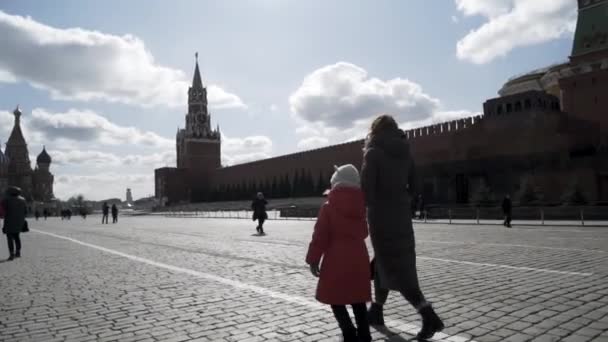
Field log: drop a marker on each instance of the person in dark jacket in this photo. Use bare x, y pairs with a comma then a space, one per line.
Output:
388, 179
15, 210
259, 211
420, 205
507, 209
105, 211
114, 213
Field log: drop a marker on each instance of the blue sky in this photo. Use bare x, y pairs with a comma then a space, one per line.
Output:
103, 84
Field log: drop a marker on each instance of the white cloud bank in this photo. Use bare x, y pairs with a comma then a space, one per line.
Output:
242, 150
511, 24
83, 65
336, 103
83, 147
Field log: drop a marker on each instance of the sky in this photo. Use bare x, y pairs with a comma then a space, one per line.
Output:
103, 84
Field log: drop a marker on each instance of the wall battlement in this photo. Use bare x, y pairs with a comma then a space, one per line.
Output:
443, 128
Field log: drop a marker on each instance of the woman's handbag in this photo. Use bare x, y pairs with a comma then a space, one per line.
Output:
26, 227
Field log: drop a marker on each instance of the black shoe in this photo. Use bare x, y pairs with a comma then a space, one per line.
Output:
375, 315
11, 258
431, 323
18, 255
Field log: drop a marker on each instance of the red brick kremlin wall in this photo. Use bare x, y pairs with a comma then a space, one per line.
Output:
426, 144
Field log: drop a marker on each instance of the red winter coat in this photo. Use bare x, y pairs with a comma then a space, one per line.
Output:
339, 238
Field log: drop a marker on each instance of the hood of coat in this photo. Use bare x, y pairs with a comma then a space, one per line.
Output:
347, 202
393, 142
345, 175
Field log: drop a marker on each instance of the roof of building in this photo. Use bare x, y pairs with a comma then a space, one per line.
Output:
592, 28
3, 158
16, 138
197, 82
43, 157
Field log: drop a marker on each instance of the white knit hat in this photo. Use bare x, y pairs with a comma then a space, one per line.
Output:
346, 175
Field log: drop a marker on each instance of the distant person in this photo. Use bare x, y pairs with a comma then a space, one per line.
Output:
37, 214
83, 213
339, 239
507, 209
105, 211
259, 212
420, 203
15, 210
114, 213
388, 179
45, 213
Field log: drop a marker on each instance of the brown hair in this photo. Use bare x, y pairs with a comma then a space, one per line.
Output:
382, 123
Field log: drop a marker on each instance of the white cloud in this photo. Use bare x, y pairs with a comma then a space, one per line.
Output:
242, 150
104, 185
512, 24
87, 126
82, 170
84, 65
312, 143
338, 102
100, 159
488, 8
339, 94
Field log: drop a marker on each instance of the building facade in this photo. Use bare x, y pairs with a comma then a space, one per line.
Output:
544, 139
16, 169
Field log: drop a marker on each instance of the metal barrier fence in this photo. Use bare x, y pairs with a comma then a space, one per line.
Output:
542, 215
236, 214
539, 215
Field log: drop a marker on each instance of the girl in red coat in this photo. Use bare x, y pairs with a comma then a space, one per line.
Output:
339, 238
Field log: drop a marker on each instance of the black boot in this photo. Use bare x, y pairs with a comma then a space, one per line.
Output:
349, 336
11, 258
18, 254
431, 323
375, 315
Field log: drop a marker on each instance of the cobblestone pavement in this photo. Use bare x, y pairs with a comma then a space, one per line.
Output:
180, 279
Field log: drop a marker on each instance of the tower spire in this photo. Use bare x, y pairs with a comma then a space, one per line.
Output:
197, 82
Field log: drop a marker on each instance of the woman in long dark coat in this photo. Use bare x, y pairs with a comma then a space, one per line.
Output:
15, 210
387, 178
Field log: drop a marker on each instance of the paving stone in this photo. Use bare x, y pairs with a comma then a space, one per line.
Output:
63, 291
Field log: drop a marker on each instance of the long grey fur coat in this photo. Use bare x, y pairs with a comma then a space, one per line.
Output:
387, 178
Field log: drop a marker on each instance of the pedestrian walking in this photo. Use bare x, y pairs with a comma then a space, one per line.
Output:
45, 213
507, 209
388, 179
339, 238
420, 204
105, 211
259, 212
114, 213
37, 214
15, 210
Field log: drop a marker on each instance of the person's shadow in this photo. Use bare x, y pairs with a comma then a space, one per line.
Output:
392, 336
3, 261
